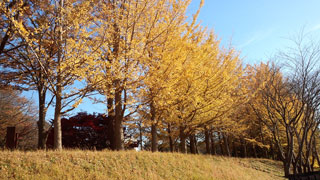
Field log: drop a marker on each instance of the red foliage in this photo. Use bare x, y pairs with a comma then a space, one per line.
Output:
84, 131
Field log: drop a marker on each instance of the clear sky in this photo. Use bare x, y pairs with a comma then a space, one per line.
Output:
257, 28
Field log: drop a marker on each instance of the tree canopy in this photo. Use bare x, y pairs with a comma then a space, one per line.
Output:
164, 79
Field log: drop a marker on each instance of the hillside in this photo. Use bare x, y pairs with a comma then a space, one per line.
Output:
131, 165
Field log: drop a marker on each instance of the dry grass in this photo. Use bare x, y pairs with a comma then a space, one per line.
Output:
71, 164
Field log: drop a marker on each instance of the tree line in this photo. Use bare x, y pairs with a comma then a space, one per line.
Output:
163, 76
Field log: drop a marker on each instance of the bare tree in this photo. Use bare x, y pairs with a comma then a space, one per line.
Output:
303, 62
289, 105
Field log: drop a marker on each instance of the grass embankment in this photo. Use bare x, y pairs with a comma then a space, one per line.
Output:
131, 165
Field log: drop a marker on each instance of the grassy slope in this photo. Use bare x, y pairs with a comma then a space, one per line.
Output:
131, 165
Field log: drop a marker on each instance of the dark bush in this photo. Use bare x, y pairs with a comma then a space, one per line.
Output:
84, 131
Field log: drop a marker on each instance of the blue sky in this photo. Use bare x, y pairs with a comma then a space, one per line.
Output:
256, 28
259, 28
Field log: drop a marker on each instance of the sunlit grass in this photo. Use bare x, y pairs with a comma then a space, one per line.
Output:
76, 164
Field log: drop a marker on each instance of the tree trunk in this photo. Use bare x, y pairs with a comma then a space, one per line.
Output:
254, 150
244, 145
42, 115
286, 167
220, 143
118, 129
154, 142
207, 140
170, 138
235, 152
192, 144
58, 93
154, 138
57, 117
272, 151
140, 135
182, 141
288, 156
265, 150
110, 124
226, 144
196, 144
294, 166
213, 146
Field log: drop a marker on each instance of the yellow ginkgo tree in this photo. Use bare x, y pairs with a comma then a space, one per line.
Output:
57, 38
132, 35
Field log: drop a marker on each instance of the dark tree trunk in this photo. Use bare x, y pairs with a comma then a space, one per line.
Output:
213, 146
110, 124
299, 165
286, 168
226, 144
254, 150
42, 134
196, 144
265, 150
170, 138
192, 144
221, 143
182, 141
294, 166
272, 151
234, 147
118, 129
207, 140
154, 137
244, 145
154, 142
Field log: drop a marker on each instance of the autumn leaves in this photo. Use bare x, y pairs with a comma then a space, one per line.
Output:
148, 59
142, 56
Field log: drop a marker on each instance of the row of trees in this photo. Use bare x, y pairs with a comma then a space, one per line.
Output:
109, 46
160, 72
